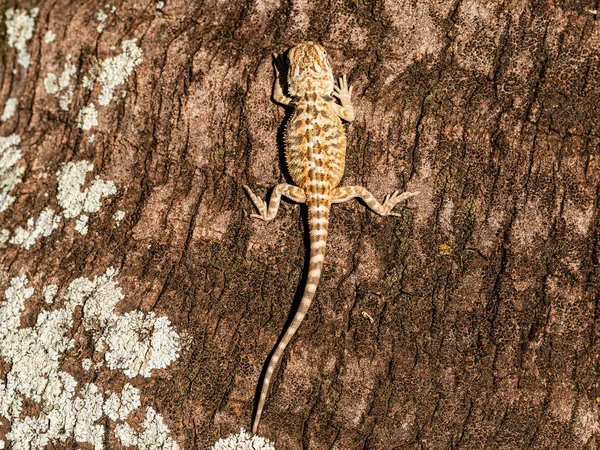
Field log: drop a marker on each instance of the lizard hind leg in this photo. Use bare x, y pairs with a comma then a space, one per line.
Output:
267, 213
343, 194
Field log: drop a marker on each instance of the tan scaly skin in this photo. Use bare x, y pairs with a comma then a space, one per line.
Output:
315, 154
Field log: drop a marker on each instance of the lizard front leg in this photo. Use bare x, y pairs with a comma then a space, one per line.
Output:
343, 194
278, 94
344, 94
287, 190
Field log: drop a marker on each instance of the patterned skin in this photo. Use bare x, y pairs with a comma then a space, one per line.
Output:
315, 153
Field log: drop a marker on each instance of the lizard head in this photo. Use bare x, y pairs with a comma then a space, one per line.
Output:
309, 70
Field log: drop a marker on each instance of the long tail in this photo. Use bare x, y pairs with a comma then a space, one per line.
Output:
318, 223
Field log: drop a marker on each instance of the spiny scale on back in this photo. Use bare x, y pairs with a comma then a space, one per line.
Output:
315, 154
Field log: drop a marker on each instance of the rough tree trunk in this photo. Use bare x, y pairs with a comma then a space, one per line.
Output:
470, 322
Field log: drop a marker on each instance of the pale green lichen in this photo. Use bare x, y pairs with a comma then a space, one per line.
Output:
88, 117
4, 236
243, 441
71, 198
115, 71
9, 109
126, 435
118, 216
139, 343
86, 364
119, 408
34, 357
44, 225
81, 225
49, 292
49, 36
64, 84
19, 30
155, 434
102, 16
51, 83
10, 173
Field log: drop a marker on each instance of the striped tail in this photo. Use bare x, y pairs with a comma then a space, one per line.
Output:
318, 224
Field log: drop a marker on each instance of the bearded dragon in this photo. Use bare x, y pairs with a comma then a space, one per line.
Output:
315, 147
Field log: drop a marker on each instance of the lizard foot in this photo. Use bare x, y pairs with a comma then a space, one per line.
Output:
393, 199
278, 63
343, 92
259, 203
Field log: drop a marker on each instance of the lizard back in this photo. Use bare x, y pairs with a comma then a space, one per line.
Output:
315, 138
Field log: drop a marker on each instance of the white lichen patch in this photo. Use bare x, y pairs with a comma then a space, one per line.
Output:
9, 109
119, 408
154, 433
100, 296
4, 235
49, 36
72, 199
88, 117
139, 343
160, 5
81, 225
243, 441
44, 225
62, 84
118, 216
110, 73
102, 16
33, 356
88, 80
51, 83
91, 138
86, 364
126, 435
10, 173
49, 292
115, 71
19, 30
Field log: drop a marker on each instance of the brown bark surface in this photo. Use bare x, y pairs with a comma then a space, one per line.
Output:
471, 322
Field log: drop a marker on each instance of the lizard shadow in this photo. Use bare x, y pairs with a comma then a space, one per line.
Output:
299, 292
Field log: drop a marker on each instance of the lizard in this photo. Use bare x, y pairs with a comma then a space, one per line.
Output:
315, 147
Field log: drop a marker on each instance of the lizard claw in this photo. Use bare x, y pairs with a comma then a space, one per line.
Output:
342, 91
278, 63
393, 199
259, 203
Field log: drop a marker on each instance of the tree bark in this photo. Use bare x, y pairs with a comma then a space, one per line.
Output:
471, 321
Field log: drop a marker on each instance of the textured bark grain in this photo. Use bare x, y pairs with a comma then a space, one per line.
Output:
484, 295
